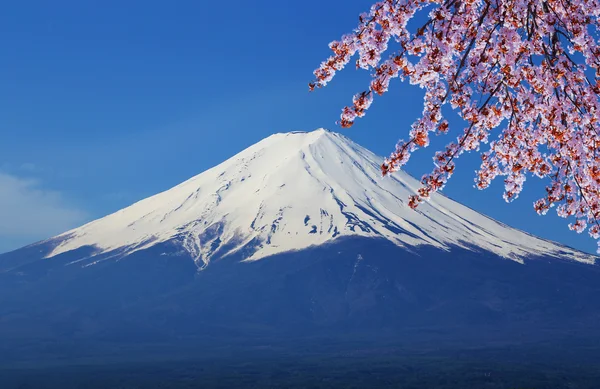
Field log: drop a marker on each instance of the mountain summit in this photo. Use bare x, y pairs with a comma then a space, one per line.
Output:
295, 190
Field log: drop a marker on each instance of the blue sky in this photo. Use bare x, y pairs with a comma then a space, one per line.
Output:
103, 103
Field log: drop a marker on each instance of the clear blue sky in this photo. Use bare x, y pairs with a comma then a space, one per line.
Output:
103, 103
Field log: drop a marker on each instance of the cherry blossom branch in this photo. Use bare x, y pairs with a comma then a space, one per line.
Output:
463, 55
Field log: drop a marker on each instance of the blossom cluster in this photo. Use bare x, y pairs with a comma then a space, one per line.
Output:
522, 74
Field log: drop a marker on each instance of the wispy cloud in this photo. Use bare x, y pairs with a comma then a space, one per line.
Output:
28, 167
29, 212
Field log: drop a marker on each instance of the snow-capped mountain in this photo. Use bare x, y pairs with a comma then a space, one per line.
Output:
294, 190
298, 237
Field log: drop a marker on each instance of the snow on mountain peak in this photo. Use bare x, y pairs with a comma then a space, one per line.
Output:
294, 190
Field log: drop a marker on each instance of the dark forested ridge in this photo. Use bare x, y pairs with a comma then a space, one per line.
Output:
378, 366
354, 312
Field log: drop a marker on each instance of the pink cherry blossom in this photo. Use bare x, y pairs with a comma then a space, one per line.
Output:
522, 74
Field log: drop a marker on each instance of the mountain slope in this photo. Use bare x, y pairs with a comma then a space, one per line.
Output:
291, 191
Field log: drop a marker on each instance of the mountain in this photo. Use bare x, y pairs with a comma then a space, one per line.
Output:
292, 191
298, 235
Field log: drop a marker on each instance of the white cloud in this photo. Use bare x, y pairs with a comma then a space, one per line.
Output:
29, 213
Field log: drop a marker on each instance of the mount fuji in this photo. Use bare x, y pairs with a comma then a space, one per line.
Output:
296, 235
292, 191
